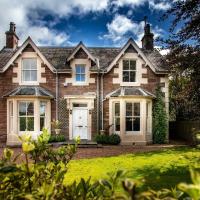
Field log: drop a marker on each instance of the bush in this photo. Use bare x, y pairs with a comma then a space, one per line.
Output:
160, 126
113, 139
57, 138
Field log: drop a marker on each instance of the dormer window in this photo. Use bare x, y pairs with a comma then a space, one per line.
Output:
80, 73
129, 70
29, 70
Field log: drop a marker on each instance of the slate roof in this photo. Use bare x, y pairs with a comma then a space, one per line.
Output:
130, 91
36, 91
57, 56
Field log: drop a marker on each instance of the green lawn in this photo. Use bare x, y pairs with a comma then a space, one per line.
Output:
154, 169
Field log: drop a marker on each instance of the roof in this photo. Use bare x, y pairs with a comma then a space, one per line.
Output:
57, 57
36, 91
130, 91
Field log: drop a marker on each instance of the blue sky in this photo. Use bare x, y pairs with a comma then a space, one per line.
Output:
95, 22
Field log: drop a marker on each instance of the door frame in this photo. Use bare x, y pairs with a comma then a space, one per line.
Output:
82, 108
86, 99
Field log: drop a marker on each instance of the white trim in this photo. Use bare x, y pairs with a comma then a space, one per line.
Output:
19, 51
140, 53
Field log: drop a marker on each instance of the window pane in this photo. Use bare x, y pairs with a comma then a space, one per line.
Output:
30, 124
22, 108
78, 77
22, 123
83, 69
11, 108
136, 109
42, 108
78, 69
125, 76
82, 77
30, 109
125, 64
29, 63
136, 124
33, 75
79, 105
128, 109
132, 76
117, 109
132, 65
33, 64
129, 124
42, 123
117, 124
26, 75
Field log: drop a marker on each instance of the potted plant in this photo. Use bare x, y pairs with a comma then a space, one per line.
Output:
56, 125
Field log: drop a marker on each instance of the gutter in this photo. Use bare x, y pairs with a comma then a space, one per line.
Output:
57, 95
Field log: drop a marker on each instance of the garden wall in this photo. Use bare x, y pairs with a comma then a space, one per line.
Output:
183, 130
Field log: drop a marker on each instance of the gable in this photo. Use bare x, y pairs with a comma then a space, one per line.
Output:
28, 46
130, 49
81, 54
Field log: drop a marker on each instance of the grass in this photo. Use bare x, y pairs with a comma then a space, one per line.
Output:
156, 170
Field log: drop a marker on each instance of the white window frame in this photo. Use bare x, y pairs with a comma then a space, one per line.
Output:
133, 116
129, 70
22, 70
80, 65
26, 116
10, 114
115, 117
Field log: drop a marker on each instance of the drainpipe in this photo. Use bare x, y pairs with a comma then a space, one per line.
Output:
102, 93
98, 96
56, 95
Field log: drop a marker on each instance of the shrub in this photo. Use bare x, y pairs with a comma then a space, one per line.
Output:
113, 139
160, 126
57, 138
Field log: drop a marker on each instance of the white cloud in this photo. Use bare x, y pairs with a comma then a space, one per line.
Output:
163, 5
132, 3
121, 28
21, 11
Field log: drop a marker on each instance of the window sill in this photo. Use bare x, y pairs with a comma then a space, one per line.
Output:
129, 84
133, 133
80, 84
29, 83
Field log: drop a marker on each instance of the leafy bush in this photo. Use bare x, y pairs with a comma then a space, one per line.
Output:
113, 139
57, 138
45, 179
160, 126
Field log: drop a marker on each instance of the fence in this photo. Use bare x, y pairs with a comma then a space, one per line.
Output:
183, 130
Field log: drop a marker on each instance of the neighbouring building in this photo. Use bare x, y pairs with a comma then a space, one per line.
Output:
89, 89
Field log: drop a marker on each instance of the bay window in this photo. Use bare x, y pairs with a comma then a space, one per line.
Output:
129, 70
29, 70
132, 117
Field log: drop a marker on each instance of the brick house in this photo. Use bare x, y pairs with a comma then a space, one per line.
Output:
89, 89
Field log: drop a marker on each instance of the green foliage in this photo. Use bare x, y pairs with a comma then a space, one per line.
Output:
160, 126
57, 138
112, 139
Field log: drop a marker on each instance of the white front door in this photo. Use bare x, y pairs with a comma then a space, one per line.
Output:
80, 123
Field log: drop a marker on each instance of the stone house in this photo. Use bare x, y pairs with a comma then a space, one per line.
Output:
89, 89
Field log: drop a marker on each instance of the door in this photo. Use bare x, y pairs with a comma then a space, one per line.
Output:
80, 123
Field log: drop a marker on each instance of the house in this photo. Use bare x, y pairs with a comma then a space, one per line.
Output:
89, 89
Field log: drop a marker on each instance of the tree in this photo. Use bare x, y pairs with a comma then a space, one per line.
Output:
160, 122
183, 59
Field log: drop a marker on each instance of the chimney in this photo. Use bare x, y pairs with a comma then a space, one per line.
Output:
147, 40
11, 37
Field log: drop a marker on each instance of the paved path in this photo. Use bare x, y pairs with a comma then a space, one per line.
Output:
107, 151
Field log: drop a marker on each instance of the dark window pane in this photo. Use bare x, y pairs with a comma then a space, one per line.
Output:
78, 77
125, 76
132, 65
79, 105
117, 124
30, 109
129, 124
136, 124
132, 76
83, 69
82, 77
22, 123
128, 109
125, 64
117, 109
78, 69
42, 108
136, 109
42, 123
30, 123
